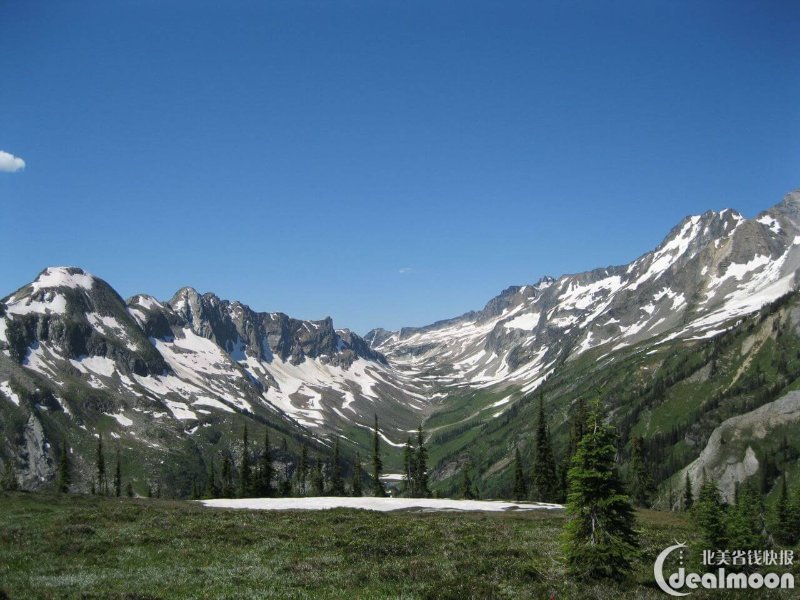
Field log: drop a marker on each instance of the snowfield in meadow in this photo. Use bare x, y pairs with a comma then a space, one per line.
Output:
379, 504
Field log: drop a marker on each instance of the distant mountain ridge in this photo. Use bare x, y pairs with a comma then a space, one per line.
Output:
77, 359
709, 270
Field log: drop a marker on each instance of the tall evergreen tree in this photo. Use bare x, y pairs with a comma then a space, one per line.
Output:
245, 469
786, 519
212, 489
118, 476
744, 522
520, 489
688, 495
64, 475
318, 479
708, 515
544, 480
267, 472
640, 482
356, 484
377, 464
421, 467
302, 471
286, 483
408, 468
228, 491
337, 482
599, 536
102, 482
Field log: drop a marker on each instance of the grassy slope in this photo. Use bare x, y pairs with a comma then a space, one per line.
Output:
89, 547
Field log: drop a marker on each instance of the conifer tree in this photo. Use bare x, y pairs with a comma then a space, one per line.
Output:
64, 475
318, 479
467, 490
640, 482
421, 467
744, 522
118, 477
688, 495
408, 468
245, 470
212, 489
377, 464
599, 536
356, 484
520, 489
787, 519
302, 471
286, 482
544, 480
337, 483
267, 473
227, 477
102, 482
129, 490
708, 515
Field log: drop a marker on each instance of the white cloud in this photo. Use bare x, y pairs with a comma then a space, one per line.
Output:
10, 163
404, 270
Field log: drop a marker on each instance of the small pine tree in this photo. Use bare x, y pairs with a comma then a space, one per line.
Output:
408, 469
467, 491
688, 495
356, 484
245, 471
267, 472
64, 475
318, 479
599, 536
286, 482
421, 467
227, 477
102, 482
118, 477
337, 482
212, 489
129, 490
520, 489
640, 483
377, 464
544, 481
302, 471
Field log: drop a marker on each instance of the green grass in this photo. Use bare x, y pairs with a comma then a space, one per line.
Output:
87, 547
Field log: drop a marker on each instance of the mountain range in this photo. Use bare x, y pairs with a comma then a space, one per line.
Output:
171, 383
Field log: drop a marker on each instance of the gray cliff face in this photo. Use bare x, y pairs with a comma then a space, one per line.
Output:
155, 373
237, 328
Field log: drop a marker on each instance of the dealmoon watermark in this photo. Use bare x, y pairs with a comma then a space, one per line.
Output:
730, 578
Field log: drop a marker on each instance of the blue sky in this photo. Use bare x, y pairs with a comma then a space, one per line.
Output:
385, 163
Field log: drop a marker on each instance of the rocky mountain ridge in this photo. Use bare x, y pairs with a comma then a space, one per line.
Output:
77, 359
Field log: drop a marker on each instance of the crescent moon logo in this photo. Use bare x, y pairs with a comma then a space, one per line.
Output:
658, 571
